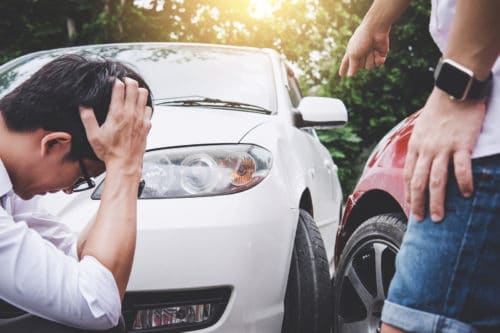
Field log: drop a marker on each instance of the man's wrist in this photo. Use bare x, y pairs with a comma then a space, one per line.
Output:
124, 163
480, 69
381, 16
377, 23
460, 82
457, 104
124, 170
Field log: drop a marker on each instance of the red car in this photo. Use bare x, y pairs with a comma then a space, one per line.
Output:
370, 235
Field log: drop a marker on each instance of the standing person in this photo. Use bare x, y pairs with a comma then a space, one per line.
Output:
73, 119
446, 276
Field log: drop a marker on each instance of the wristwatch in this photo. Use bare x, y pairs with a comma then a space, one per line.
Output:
459, 81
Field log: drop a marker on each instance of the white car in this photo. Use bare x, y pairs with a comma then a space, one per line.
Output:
239, 213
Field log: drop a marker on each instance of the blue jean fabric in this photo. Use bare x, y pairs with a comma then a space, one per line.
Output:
448, 274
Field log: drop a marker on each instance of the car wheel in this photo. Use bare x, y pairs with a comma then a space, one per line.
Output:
307, 299
364, 272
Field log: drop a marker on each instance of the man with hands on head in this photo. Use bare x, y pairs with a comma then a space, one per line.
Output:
73, 119
446, 273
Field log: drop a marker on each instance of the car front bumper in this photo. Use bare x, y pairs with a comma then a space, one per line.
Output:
242, 241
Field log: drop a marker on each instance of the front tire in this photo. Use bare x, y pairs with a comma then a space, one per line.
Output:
307, 299
365, 270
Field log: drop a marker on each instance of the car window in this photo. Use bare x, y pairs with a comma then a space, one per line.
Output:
240, 75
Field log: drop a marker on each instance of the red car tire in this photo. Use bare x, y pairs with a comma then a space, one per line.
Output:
365, 270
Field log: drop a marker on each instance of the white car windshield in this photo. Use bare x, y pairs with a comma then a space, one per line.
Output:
175, 70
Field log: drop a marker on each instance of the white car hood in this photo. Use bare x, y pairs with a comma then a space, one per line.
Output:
181, 126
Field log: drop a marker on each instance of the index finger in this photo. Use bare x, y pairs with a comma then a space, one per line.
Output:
89, 121
344, 65
411, 159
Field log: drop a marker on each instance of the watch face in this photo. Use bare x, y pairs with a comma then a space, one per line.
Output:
453, 80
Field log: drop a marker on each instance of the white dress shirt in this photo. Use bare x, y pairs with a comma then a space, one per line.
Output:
40, 272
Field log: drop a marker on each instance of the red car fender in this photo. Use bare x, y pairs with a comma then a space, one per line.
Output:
382, 177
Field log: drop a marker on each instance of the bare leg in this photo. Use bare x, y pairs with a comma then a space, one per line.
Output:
390, 329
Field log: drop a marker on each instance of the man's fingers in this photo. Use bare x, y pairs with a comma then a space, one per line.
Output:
350, 65
437, 187
381, 44
147, 118
131, 94
418, 187
89, 122
354, 65
148, 113
370, 61
142, 99
463, 172
379, 59
117, 96
411, 159
344, 65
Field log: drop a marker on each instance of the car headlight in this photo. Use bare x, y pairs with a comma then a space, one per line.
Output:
201, 171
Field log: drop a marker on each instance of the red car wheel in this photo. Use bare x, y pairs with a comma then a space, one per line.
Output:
365, 270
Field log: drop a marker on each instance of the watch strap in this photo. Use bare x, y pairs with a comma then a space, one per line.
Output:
480, 89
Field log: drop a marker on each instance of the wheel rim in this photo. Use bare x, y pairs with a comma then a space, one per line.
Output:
363, 287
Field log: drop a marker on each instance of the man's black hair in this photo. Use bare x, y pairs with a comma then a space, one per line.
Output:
51, 97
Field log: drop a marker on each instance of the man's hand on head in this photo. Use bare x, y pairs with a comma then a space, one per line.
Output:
121, 139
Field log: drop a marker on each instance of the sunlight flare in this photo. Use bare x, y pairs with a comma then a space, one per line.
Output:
261, 9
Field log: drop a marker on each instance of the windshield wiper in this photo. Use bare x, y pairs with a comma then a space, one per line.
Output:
211, 102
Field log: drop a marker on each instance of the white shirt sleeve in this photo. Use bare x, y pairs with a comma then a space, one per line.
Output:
48, 226
42, 279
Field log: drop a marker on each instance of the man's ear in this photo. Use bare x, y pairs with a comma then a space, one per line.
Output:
55, 142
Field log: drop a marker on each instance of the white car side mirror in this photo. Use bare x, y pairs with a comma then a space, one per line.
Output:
321, 112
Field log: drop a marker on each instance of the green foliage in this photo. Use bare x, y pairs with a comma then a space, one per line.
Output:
344, 146
378, 99
311, 33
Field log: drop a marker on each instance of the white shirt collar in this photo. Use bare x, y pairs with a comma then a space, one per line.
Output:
5, 183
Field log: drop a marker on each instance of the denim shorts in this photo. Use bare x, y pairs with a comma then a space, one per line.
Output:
448, 274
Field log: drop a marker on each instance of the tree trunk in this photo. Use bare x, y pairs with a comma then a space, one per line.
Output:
71, 28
